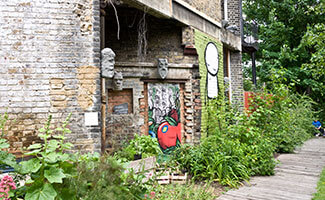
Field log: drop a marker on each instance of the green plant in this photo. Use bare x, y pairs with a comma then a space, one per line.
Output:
50, 166
189, 191
143, 145
242, 144
320, 194
105, 178
215, 159
6, 159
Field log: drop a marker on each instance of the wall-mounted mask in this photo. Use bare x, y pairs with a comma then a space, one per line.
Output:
162, 67
118, 81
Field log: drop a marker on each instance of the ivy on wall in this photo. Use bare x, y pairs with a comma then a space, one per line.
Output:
201, 42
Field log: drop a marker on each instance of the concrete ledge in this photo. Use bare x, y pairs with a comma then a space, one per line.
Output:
142, 165
232, 41
153, 65
199, 13
158, 8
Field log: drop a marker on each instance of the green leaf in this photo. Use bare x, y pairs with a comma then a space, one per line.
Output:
29, 181
32, 165
42, 130
52, 146
54, 175
43, 136
67, 145
35, 146
60, 137
33, 153
45, 192
51, 157
8, 159
4, 145
59, 129
171, 121
66, 130
64, 157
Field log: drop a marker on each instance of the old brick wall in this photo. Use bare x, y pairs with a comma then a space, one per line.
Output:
122, 127
234, 14
164, 37
236, 72
164, 40
49, 64
212, 8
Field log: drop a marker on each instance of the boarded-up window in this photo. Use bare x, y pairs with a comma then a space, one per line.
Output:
120, 102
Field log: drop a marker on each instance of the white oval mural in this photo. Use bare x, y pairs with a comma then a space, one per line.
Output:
212, 64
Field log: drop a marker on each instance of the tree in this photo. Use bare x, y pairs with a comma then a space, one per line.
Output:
292, 41
314, 39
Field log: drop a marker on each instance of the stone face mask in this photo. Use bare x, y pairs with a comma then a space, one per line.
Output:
118, 81
162, 68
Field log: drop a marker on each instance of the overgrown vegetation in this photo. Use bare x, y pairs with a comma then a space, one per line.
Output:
53, 174
240, 145
291, 40
190, 191
320, 194
105, 178
140, 147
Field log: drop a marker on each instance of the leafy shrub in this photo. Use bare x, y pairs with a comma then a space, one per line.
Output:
105, 178
50, 166
242, 144
180, 192
6, 159
143, 145
215, 159
285, 120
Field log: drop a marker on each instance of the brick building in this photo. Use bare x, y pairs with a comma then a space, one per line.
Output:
50, 63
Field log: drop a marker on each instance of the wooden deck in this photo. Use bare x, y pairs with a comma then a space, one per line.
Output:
295, 178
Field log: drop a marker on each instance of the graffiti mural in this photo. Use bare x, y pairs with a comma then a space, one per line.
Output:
212, 65
164, 115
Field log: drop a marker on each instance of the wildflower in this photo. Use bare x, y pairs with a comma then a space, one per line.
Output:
6, 184
152, 194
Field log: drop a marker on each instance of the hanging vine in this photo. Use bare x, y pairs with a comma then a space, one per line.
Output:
142, 37
116, 16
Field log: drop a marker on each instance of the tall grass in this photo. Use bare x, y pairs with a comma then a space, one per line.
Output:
242, 144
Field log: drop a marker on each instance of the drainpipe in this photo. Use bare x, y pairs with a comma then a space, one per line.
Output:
253, 68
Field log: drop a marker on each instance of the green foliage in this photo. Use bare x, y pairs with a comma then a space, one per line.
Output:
292, 39
143, 145
215, 159
240, 145
6, 159
181, 192
105, 178
50, 166
57, 175
320, 194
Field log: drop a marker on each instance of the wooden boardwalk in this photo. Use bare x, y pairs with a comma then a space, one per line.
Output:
295, 177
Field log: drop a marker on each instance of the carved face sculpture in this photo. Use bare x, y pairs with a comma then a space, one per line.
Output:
118, 81
108, 62
162, 67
